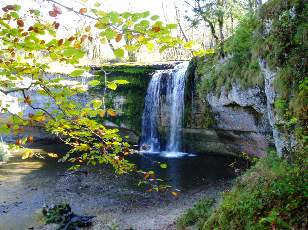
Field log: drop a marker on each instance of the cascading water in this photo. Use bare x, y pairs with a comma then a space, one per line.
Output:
177, 88
174, 84
150, 136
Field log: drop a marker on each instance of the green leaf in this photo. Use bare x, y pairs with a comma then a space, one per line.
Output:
94, 83
154, 17
150, 46
163, 165
171, 26
121, 82
97, 4
77, 73
119, 53
109, 33
96, 103
112, 85
14, 15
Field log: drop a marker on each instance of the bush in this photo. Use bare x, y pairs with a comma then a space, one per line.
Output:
270, 195
197, 214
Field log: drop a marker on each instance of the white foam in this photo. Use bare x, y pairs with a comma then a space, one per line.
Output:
173, 154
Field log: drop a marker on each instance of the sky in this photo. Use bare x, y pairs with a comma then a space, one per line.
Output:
154, 6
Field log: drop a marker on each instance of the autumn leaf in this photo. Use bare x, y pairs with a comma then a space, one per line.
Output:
26, 154
39, 118
118, 37
71, 38
175, 194
156, 29
102, 113
83, 10
30, 139
111, 112
56, 25
60, 42
8, 7
18, 142
27, 100
20, 23
52, 14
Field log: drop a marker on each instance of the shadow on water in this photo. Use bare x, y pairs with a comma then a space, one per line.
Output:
188, 172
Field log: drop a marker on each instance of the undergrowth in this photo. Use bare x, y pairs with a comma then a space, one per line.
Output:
270, 195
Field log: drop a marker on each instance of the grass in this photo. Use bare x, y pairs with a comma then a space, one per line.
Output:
271, 195
197, 214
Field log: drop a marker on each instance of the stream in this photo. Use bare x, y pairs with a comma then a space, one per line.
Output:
27, 185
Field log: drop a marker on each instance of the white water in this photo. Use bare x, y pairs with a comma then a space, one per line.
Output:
150, 136
175, 85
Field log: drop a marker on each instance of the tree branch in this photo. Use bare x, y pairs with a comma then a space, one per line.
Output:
38, 108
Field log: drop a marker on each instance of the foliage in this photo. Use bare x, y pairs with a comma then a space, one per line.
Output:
240, 65
29, 44
196, 215
284, 47
124, 69
277, 34
218, 16
270, 195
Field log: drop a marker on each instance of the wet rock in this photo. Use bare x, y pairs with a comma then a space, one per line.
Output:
63, 216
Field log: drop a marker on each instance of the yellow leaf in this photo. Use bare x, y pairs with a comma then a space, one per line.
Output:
111, 112
175, 194
39, 118
53, 155
27, 154
102, 113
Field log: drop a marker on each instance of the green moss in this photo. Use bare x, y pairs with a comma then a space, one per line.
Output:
277, 34
194, 102
241, 65
129, 69
285, 49
133, 93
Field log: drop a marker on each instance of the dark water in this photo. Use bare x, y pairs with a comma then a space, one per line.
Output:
192, 171
185, 172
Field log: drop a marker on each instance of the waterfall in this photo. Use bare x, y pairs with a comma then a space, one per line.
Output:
171, 84
150, 136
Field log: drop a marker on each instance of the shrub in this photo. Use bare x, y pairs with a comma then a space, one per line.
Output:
197, 214
270, 195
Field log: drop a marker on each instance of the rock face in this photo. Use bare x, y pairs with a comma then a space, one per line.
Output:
283, 141
233, 121
240, 123
237, 120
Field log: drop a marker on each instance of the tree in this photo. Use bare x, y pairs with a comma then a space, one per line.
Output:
29, 44
217, 15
